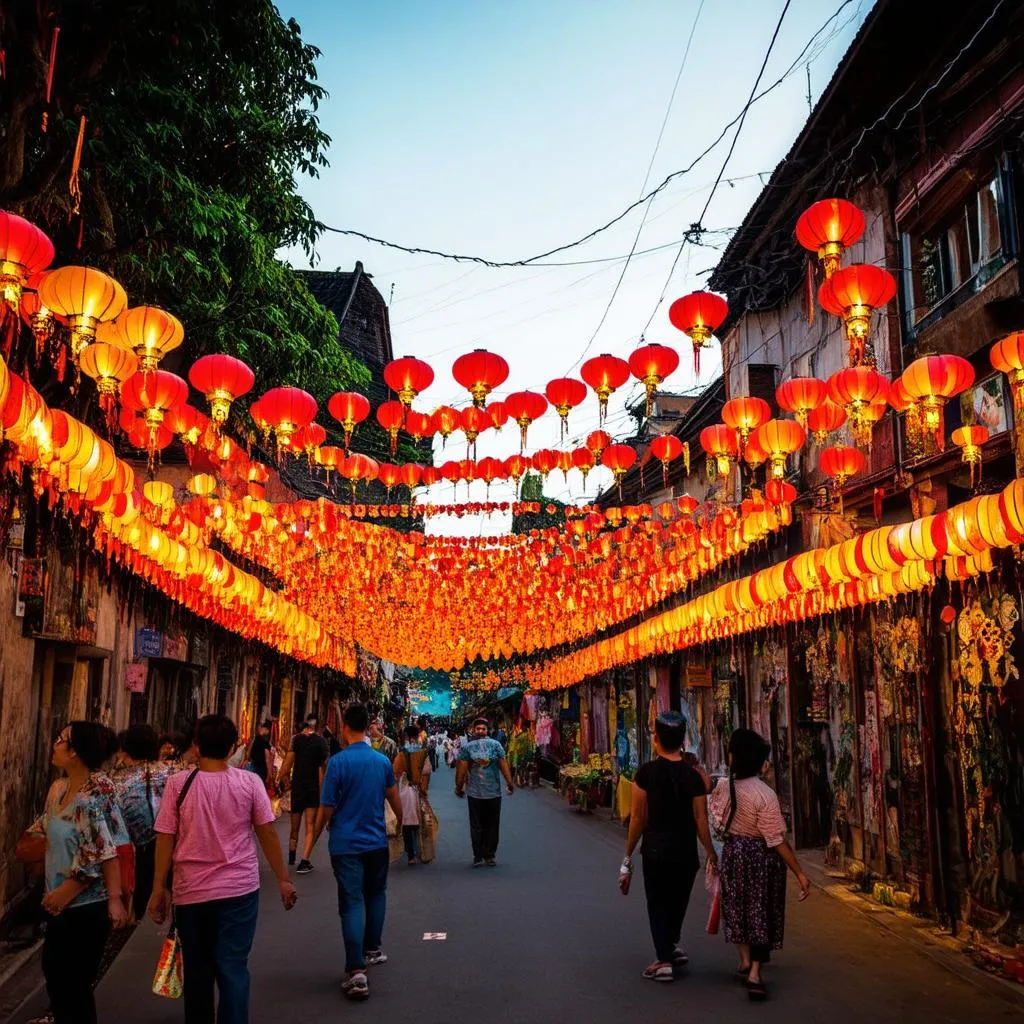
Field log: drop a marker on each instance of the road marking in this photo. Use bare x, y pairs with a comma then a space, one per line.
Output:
435, 936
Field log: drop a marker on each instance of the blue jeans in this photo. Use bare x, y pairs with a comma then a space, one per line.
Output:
216, 937
362, 901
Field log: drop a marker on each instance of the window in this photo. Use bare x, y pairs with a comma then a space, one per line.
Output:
957, 258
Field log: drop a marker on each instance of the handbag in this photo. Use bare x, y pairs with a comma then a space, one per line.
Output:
30, 850
713, 885
168, 979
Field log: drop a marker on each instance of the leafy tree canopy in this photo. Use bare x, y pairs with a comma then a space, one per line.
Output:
200, 118
552, 512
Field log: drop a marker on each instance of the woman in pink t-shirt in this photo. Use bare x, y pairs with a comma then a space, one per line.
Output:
209, 824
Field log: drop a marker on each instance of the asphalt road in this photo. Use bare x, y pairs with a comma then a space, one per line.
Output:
545, 938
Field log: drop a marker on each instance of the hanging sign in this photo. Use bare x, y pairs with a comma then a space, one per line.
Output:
175, 646
697, 675
135, 678
148, 643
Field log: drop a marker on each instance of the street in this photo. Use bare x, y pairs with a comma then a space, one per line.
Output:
546, 938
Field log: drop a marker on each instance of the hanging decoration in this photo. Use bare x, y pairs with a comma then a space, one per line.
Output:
407, 377
651, 364
855, 389
745, 415
221, 379
666, 448
525, 407
824, 420
780, 439
930, 382
24, 252
286, 410
564, 394
391, 416
840, 464
969, 440
698, 315
853, 294
349, 408
605, 374
719, 443
147, 331
154, 395
110, 367
86, 298
828, 228
619, 458
801, 396
480, 372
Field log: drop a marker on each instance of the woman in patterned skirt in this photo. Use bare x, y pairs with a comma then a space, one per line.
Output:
754, 858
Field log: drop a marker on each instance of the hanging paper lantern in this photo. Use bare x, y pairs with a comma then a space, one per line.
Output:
221, 379
390, 415
619, 458
1007, 356
597, 441
419, 424
358, 467
780, 439
719, 443
665, 448
473, 421
970, 440
841, 463
330, 457
480, 372
745, 415
306, 439
753, 454
411, 475
147, 331
651, 364
498, 414
932, 381
564, 463
565, 393
801, 396
829, 228
388, 475
516, 467
525, 407
287, 410
86, 297
544, 461
154, 395
24, 252
431, 475
698, 315
855, 389
779, 492
110, 367
407, 377
584, 460
824, 420
853, 294
349, 408
605, 374
40, 318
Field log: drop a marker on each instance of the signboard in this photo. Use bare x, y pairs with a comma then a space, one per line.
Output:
31, 588
175, 646
135, 677
148, 643
697, 675
199, 648
224, 674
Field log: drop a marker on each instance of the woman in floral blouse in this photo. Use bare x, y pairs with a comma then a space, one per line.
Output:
83, 879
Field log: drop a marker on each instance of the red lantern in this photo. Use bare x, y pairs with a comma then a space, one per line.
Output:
1007, 356
651, 364
841, 463
855, 389
828, 228
109, 367
431, 476
330, 458
480, 372
498, 414
698, 315
525, 407
584, 460
390, 416
853, 294
597, 441
544, 461
349, 408
515, 467
388, 475
411, 475
745, 415
931, 381
419, 424
825, 419
605, 374
666, 448
287, 409
472, 422
447, 420
565, 393
407, 377
801, 396
779, 492
154, 395
222, 379
24, 252
970, 440
489, 470
719, 443
357, 467
619, 458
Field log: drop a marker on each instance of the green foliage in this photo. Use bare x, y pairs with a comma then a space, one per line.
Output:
200, 119
552, 512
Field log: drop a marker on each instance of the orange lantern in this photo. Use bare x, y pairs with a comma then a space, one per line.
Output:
651, 364
525, 407
719, 442
516, 467
698, 315
287, 410
330, 458
86, 297
222, 379
390, 415
902, 401
154, 395
605, 374
565, 393
828, 417
970, 440
349, 408
780, 439
480, 372
24, 252
388, 475
753, 454
39, 318
801, 396
584, 460
544, 461
147, 331
446, 420
498, 414
829, 228
110, 367
745, 415
855, 389
473, 420
419, 424
597, 441
841, 463
665, 448
619, 458
411, 475
357, 467
853, 294
932, 381
407, 377
1007, 356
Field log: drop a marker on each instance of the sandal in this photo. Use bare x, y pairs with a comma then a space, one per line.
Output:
680, 958
659, 971
756, 991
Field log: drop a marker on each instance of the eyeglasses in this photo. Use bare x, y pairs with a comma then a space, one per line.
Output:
62, 740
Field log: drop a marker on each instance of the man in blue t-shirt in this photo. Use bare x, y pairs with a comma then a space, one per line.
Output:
481, 765
358, 781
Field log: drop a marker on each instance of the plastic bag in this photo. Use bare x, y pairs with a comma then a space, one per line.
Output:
168, 978
714, 886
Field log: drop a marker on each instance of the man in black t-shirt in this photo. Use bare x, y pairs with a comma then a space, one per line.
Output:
261, 754
305, 761
669, 810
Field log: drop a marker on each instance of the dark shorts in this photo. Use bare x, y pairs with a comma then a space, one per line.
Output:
304, 797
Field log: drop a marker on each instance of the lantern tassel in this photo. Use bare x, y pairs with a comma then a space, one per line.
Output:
50, 68
809, 297
686, 456
74, 187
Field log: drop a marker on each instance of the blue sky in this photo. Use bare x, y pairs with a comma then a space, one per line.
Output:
505, 129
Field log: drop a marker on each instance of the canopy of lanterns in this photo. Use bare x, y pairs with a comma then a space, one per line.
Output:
448, 602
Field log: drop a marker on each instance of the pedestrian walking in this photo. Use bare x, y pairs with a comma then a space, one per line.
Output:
669, 812
261, 757
754, 858
74, 839
303, 768
379, 740
481, 766
358, 781
210, 822
413, 768
139, 785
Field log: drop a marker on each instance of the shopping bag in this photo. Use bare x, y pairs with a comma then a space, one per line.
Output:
714, 886
167, 980
429, 828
